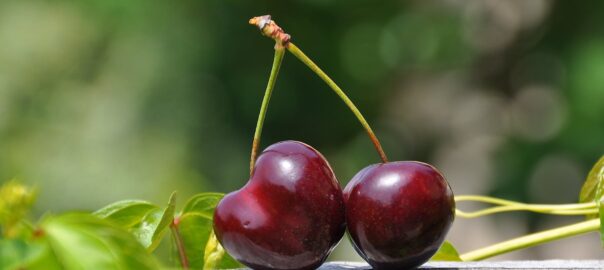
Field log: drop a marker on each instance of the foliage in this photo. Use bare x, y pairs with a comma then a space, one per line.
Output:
15, 201
446, 252
147, 222
195, 224
593, 188
76, 241
593, 191
122, 235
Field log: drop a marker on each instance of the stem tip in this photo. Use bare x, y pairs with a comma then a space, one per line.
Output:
269, 28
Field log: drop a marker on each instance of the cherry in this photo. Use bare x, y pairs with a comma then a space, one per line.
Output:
398, 213
290, 214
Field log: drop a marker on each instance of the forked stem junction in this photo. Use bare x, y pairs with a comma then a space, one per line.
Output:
270, 29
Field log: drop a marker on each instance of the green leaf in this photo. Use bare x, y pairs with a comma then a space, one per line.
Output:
195, 231
446, 252
18, 254
215, 257
203, 203
593, 188
126, 214
146, 221
47, 260
195, 228
84, 241
167, 216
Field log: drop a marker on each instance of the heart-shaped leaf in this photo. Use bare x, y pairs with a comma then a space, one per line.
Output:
593, 188
146, 221
84, 241
195, 227
446, 252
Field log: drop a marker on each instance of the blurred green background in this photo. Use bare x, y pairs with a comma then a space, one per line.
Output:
103, 100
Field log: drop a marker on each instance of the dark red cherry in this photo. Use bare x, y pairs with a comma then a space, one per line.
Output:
398, 213
290, 214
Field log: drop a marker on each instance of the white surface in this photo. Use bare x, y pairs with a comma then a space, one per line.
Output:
549, 264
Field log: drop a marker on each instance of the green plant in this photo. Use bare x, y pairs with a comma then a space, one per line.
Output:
122, 235
125, 234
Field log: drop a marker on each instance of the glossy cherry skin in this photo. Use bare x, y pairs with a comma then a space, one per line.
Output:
398, 213
290, 214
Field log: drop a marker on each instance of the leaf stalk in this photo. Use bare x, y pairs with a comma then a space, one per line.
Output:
184, 261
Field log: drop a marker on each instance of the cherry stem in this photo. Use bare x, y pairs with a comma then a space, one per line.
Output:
302, 57
270, 29
179, 244
278, 58
532, 240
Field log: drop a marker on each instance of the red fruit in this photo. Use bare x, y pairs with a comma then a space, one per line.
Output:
398, 213
290, 214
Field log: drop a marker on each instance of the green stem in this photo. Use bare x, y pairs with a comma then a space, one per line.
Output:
497, 201
509, 208
507, 205
184, 261
532, 240
302, 57
278, 58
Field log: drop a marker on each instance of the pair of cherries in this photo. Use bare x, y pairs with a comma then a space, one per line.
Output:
292, 212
